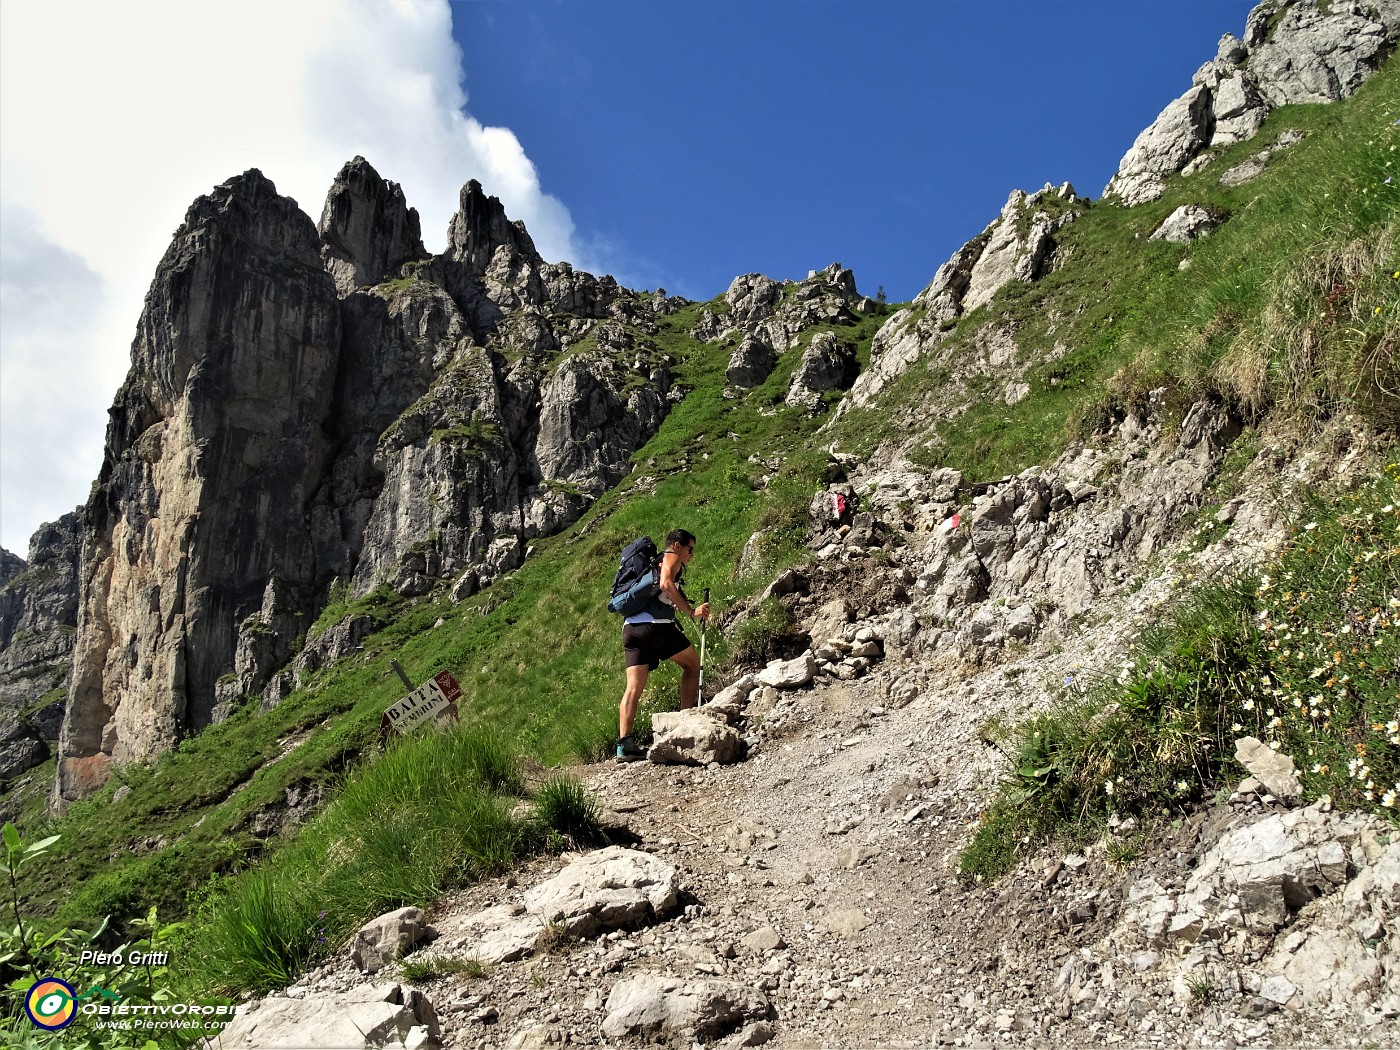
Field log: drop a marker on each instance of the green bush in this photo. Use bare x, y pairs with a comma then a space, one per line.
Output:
565, 807
753, 635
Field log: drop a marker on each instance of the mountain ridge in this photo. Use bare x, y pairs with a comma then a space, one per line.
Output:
496, 359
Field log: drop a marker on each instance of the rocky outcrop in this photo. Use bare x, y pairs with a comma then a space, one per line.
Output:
1295, 905
776, 313
1293, 51
751, 363
218, 431
367, 228
827, 364
1018, 245
1181, 131
38, 615
350, 418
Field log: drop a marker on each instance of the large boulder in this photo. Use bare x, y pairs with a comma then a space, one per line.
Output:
751, 363
694, 738
367, 1016
789, 674
655, 1006
1184, 225
385, 939
609, 889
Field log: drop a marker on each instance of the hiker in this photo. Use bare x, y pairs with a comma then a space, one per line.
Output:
650, 636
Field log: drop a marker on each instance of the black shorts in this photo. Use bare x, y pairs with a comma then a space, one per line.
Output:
650, 643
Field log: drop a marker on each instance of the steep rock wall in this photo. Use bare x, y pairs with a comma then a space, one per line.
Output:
306, 406
217, 440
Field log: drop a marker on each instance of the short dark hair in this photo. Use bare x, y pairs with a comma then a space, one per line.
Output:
681, 536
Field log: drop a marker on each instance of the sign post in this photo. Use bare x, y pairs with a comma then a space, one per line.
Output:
431, 701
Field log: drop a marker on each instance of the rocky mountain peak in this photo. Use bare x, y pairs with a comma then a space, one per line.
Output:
367, 228
480, 227
1293, 51
218, 432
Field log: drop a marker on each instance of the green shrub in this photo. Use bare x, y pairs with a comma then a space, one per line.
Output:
565, 807
753, 635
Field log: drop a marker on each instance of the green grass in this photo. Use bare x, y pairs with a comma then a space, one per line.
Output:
1289, 305
537, 655
1304, 655
431, 813
1287, 308
565, 808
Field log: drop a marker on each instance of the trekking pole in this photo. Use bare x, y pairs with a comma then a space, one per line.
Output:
700, 688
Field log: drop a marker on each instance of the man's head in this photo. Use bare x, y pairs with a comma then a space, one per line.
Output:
682, 542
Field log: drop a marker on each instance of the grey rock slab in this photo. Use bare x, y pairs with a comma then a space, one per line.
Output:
763, 940
368, 1016
694, 738
612, 888
502, 933
653, 1005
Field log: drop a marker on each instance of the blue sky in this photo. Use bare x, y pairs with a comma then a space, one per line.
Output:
671, 144
696, 141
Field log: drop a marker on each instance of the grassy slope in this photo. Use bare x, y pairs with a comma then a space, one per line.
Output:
1132, 318
536, 655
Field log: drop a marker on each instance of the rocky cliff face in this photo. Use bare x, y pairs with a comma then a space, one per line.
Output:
367, 228
1291, 53
308, 405
312, 404
38, 612
217, 441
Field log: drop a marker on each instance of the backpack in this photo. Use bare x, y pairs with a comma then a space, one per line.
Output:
638, 578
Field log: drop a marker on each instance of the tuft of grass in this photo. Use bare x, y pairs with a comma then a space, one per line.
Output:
565, 807
431, 967
555, 939
432, 813
1202, 988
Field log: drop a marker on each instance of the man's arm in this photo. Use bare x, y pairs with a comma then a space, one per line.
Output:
670, 566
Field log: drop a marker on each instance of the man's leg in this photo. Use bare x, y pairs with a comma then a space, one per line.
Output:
689, 661
631, 696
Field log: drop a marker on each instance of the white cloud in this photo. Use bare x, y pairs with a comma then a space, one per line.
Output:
114, 117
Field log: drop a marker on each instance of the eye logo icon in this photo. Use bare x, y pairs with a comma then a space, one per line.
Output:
51, 1004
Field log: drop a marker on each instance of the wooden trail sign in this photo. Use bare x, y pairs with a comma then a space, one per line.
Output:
433, 699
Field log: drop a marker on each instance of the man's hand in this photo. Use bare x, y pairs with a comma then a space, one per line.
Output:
701, 611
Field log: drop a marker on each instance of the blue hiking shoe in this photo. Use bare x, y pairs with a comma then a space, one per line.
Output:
628, 751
